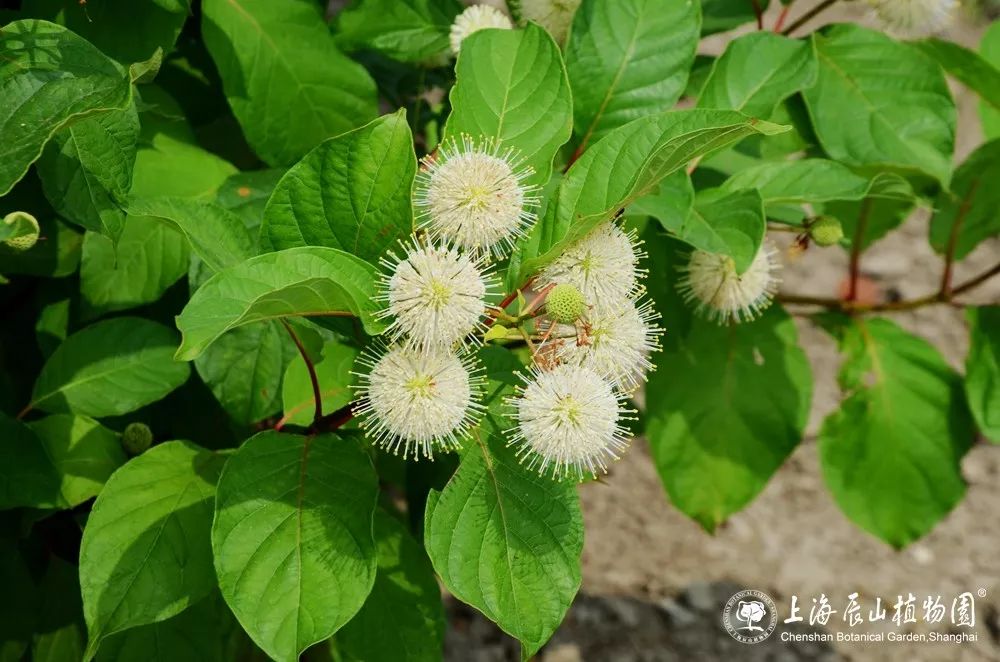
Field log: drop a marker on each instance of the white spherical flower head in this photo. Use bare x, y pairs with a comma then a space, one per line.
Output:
435, 295
473, 195
473, 19
569, 422
553, 15
915, 18
418, 400
710, 282
615, 344
603, 266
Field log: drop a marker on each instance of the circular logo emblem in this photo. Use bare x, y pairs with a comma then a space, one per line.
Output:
750, 616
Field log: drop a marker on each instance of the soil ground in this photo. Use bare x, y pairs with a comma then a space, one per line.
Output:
654, 583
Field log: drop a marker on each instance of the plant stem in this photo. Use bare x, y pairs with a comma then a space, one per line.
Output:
956, 228
507, 300
808, 16
759, 13
909, 304
782, 17
312, 371
856, 242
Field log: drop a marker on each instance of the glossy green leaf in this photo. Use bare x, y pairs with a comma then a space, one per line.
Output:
403, 617
244, 370
292, 538
730, 223
49, 78
288, 85
670, 203
507, 541
628, 59
86, 170
197, 634
146, 552
298, 282
27, 477
352, 193
625, 166
891, 454
83, 453
335, 380
405, 30
989, 49
247, 193
714, 445
970, 211
980, 75
218, 236
151, 256
758, 71
124, 30
881, 103
982, 369
110, 368
148, 258
511, 85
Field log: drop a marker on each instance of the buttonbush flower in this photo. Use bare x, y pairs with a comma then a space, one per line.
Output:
473, 19
418, 400
473, 194
569, 422
603, 266
710, 282
435, 295
616, 344
915, 17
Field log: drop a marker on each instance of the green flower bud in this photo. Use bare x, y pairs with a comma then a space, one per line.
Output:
565, 304
23, 233
826, 231
137, 438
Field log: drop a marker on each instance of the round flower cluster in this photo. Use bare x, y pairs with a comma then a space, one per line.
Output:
473, 19
914, 18
711, 283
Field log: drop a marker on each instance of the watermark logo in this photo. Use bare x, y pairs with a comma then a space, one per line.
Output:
750, 616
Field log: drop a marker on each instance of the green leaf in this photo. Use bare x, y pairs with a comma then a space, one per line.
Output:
49, 78
507, 541
981, 76
18, 613
124, 30
60, 634
288, 85
244, 370
970, 211
246, 194
511, 85
86, 170
405, 30
982, 369
27, 477
625, 166
83, 453
292, 538
880, 216
151, 256
670, 203
403, 613
298, 282
110, 368
148, 258
628, 59
757, 72
352, 193
989, 48
715, 446
724, 15
891, 454
881, 103
808, 181
216, 235
145, 554
194, 635
335, 380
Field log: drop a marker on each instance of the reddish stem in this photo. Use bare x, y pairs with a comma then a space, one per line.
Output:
856, 242
782, 17
312, 374
956, 227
